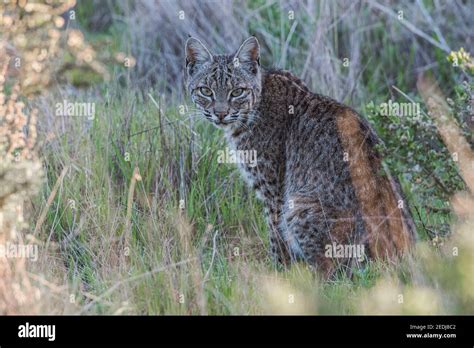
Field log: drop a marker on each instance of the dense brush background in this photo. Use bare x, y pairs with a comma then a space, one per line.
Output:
135, 216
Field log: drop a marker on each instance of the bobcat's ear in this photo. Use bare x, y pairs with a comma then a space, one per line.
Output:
196, 53
249, 51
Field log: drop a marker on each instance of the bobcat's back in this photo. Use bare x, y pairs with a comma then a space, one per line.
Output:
320, 176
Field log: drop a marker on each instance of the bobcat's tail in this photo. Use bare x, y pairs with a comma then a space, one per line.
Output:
388, 222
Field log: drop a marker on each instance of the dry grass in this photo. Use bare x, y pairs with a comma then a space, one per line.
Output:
314, 44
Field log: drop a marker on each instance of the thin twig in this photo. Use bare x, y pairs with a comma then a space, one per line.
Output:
135, 177
214, 251
42, 217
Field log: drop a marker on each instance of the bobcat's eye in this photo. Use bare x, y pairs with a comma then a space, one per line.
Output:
206, 91
237, 92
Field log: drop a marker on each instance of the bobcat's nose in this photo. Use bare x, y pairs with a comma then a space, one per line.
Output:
221, 114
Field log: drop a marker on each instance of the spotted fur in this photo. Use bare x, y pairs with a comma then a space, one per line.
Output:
318, 173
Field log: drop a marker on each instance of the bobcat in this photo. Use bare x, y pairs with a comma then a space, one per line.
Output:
318, 173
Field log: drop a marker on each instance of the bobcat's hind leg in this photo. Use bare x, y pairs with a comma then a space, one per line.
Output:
278, 248
314, 233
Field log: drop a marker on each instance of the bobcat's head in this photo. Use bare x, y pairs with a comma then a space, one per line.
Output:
225, 88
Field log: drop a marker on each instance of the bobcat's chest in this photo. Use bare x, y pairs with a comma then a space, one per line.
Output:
258, 170
254, 179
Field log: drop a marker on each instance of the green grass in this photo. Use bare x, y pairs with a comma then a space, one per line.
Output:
197, 238
211, 255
